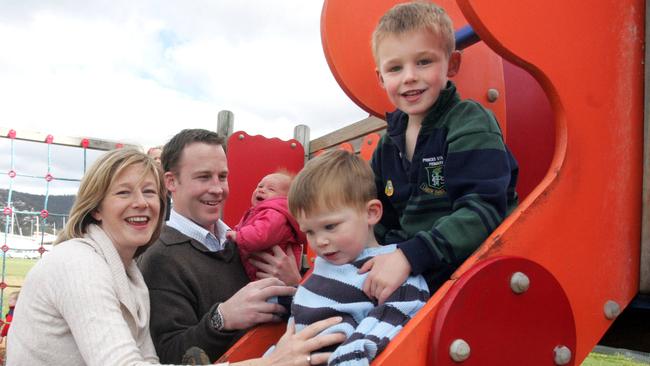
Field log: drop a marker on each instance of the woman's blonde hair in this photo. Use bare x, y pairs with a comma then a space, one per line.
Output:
96, 183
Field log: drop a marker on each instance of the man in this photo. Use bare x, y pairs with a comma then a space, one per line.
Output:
200, 295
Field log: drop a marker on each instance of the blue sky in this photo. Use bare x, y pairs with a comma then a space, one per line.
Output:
139, 71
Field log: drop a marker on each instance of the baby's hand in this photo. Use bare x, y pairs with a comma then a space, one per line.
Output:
231, 235
387, 273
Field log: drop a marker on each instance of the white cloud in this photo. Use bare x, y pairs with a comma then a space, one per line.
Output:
140, 71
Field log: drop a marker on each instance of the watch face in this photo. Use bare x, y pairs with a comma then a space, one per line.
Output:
216, 320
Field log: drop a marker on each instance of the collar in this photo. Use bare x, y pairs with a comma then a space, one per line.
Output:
212, 242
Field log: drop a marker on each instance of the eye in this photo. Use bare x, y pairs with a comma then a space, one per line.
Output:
424, 62
330, 227
395, 68
150, 191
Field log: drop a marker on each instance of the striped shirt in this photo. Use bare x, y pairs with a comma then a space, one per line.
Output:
336, 290
198, 233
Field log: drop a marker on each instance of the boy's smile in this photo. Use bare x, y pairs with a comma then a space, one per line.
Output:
413, 68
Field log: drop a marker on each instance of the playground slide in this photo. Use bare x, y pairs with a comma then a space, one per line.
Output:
548, 283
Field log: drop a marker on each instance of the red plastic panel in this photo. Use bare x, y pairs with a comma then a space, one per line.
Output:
249, 159
254, 343
531, 129
368, 146
346, 29
500, 326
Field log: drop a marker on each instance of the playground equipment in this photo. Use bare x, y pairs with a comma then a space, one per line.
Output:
548, 283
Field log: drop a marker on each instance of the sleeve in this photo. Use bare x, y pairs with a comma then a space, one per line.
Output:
390, 218
175, 324
268, 228
477, 173
87, 301
5, 326
382, 324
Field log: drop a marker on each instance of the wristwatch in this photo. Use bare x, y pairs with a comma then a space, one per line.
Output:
216, 320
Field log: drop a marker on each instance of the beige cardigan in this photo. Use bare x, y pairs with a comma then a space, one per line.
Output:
79, 306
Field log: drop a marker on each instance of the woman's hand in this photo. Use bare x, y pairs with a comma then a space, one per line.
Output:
296, 349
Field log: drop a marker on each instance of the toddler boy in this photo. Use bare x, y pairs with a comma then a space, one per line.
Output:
334, 200
442, 170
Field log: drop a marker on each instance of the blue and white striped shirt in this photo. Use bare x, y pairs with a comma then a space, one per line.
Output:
190, 228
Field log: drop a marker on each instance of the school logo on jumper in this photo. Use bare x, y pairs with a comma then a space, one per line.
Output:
389, 188
434, 168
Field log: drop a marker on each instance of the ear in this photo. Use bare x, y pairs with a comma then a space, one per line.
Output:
454, 64
374, 210
380, 79
170, 181
96, 215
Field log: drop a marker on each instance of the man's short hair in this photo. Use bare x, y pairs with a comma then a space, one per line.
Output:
403, 18
332, 180
173, 150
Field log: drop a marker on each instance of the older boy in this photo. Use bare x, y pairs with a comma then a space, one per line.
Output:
442, 170
334, 200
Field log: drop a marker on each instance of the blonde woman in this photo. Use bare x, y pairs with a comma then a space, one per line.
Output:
86, 303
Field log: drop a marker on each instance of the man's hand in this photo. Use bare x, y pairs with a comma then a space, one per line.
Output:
387, 273
281, 265
248, 306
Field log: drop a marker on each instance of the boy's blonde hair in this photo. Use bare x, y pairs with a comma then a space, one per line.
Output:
97, 181
403, 18
334, 179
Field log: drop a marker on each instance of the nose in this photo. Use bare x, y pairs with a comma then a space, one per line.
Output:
410, 74
139, 200
321, 240
216, 187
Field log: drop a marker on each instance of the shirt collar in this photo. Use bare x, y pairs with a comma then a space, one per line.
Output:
198, 233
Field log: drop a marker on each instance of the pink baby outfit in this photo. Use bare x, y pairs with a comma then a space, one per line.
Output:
265, 225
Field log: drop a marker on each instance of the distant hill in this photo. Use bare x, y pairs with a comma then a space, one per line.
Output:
35, 203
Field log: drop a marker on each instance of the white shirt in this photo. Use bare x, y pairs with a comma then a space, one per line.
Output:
198, 233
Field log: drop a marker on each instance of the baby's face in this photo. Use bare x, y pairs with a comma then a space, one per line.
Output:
273, 185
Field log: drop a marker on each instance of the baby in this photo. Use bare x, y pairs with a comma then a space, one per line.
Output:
268, 222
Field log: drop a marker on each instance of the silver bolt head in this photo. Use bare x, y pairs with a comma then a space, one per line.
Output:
459, 350
519, 282
293, 145
492, 95
612, 309
241, 136
562, 355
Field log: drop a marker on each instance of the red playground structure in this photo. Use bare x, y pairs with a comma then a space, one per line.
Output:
566, 82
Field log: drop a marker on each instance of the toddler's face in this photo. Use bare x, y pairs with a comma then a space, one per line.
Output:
273, 185
12, 300
339, 235
413, 68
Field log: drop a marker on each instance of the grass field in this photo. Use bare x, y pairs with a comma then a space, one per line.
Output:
16, 269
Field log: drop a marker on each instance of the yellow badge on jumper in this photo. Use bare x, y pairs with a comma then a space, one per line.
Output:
389, 188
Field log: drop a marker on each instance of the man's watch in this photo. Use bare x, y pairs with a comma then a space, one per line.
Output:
216, 320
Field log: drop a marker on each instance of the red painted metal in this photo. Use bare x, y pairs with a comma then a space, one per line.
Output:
368, 145
500, 326
254, 343
531, 129
249, 159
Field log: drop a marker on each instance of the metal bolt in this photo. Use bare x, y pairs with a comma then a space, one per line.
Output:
519, 283
492, 95
293, 145
612, 309
241, 136
562, 355
369, 142
459, 350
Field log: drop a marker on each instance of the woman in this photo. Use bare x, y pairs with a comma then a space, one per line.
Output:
86, 301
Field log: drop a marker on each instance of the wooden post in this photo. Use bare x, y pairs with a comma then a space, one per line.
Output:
301, 133
225, 123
